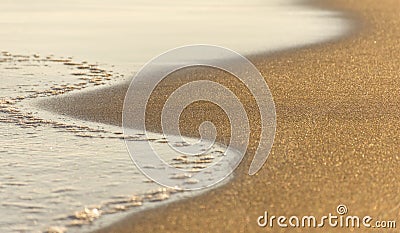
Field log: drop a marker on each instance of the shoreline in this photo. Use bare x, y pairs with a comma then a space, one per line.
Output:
320, 97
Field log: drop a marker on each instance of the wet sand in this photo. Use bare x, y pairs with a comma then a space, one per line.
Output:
337, 139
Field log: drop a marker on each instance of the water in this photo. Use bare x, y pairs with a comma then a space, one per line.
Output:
70, 174
132, 32
58, 171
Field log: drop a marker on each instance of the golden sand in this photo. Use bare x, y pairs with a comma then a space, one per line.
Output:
337, 139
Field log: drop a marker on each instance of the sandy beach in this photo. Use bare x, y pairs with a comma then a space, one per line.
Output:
337, 139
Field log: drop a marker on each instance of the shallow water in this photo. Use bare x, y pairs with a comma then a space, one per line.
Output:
77, 175
62, 172
46, 181
132, 32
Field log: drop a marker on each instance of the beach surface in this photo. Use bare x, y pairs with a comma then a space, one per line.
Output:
337, 139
